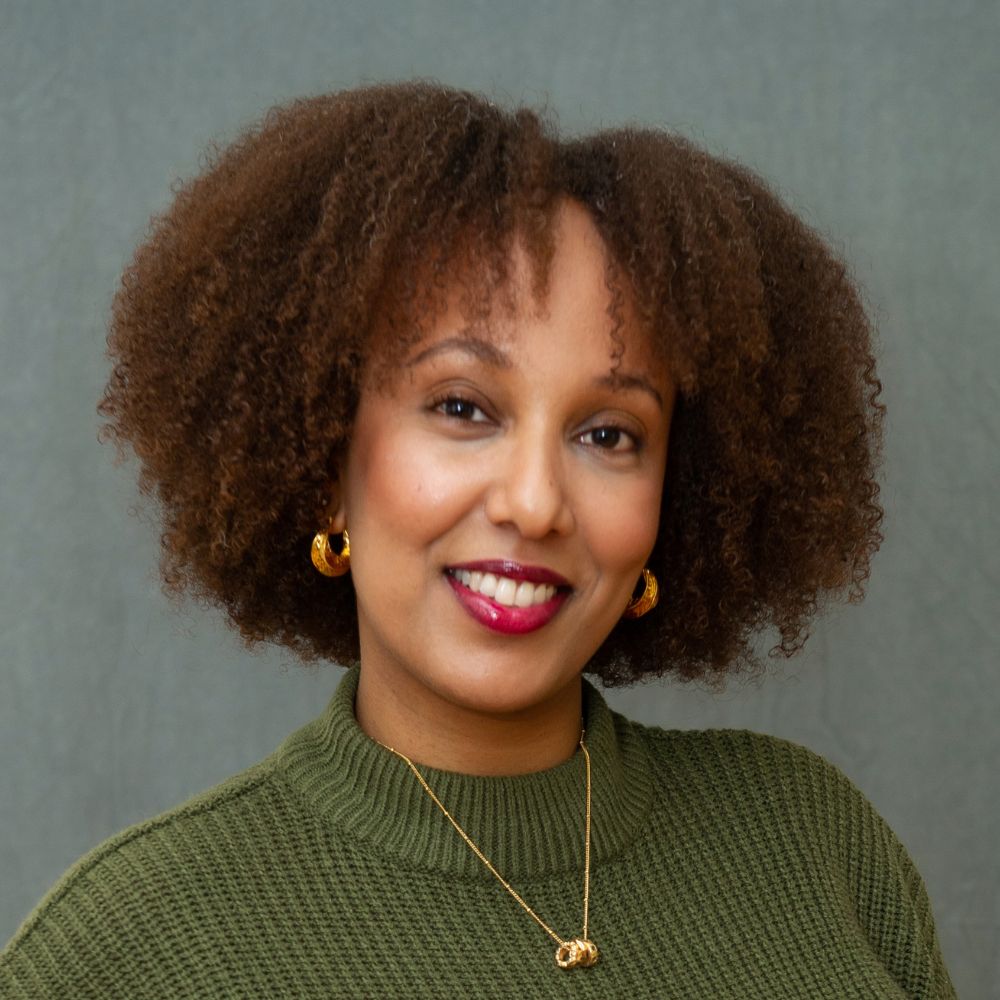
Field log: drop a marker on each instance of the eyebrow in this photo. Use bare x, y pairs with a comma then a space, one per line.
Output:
493, 356
629, 382
482, 350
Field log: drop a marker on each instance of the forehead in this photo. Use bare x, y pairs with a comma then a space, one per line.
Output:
577, 311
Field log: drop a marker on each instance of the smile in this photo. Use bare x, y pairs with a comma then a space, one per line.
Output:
508, 604
505, 590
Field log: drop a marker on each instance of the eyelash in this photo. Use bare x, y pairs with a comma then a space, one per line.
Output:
452, 397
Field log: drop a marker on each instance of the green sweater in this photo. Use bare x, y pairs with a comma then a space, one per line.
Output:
724, 863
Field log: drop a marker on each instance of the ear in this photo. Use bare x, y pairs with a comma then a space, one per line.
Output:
335, 514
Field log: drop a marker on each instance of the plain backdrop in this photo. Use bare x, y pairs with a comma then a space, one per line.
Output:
876, 120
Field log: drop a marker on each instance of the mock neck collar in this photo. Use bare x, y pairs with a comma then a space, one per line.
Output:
527, 825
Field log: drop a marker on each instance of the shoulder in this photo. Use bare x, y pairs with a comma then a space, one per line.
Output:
118, 902
146, 839
779, 788
756, 762
783, 799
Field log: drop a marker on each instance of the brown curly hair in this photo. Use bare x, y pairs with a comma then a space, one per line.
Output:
243, 323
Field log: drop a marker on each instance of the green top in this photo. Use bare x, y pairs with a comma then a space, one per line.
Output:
724, 863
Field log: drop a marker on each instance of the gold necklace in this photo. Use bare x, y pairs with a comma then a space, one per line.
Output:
578, 951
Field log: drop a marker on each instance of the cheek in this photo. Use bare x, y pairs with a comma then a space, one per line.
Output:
400, 491
621, 527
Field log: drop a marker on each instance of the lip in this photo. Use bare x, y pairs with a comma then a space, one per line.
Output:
500, 617
514, 570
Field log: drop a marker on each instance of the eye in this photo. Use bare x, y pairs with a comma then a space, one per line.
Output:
459, 408
612, 438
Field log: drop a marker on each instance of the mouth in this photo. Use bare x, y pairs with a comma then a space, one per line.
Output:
507, 597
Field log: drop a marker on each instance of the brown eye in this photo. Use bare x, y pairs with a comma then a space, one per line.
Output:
611, 438
459, 408
606, 437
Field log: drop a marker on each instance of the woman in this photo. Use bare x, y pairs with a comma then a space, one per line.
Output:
423, 388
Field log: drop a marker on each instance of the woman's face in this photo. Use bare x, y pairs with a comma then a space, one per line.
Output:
515, 460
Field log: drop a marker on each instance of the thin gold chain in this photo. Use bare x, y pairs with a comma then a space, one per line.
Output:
486, 861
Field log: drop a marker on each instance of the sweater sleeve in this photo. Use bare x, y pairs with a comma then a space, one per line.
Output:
117, 923
79, 941
54, 953
885, 888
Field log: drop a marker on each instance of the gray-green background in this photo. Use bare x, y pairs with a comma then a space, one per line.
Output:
875, 119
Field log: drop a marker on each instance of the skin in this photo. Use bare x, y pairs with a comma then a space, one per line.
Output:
524, 469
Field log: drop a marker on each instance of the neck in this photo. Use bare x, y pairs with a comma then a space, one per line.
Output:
437, 732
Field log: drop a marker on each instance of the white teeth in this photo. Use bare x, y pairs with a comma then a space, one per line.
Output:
504, 590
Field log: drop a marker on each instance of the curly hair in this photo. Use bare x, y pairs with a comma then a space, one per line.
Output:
241, 328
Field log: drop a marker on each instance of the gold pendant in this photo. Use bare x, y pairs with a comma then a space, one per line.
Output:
576, 952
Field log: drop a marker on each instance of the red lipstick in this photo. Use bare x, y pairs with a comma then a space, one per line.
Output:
501, 617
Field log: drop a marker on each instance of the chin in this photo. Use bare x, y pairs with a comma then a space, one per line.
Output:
502, 686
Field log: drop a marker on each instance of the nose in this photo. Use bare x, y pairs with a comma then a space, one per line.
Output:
528, 488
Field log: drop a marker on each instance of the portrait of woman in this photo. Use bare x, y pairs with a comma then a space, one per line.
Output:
499, 419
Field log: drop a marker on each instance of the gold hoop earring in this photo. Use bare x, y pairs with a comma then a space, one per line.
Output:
326, 560
647, 600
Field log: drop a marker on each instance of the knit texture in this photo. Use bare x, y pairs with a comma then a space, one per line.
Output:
724, 863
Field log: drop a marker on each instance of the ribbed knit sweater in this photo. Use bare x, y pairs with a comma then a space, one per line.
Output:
724, 863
